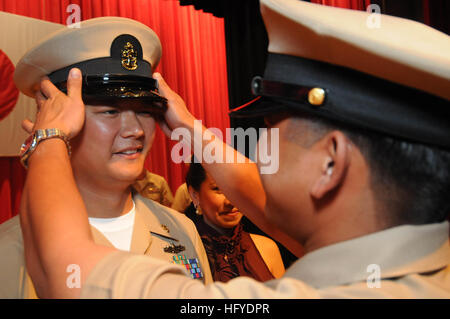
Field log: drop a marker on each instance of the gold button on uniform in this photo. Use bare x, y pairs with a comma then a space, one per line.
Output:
316, 96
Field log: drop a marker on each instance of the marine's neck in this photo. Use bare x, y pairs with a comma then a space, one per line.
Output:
355, 218
106, 203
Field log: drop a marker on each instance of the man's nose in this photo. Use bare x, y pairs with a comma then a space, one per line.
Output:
131, 126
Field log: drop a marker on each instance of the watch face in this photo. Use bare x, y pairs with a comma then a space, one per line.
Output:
26, 145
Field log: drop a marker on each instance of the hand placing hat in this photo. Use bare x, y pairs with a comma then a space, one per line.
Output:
177, 114
58, 110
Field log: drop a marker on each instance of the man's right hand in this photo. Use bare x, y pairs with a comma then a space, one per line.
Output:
58, 110
177, 114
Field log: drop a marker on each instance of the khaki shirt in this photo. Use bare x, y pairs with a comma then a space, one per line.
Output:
153, 223
154, 187
410, 262
182, 199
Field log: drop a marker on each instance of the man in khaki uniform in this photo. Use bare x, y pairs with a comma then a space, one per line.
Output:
362, 114
155, 187
109, 155
156, 231
182, 199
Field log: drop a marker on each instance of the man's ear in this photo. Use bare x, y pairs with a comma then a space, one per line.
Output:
336, 160
194, 195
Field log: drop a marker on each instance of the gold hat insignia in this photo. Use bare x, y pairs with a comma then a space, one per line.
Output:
129, 57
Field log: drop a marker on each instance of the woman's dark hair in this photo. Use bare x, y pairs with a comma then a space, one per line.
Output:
196, 174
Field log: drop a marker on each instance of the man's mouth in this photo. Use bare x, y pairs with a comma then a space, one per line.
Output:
130, 152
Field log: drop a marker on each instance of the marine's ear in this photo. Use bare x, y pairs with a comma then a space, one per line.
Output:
336, 159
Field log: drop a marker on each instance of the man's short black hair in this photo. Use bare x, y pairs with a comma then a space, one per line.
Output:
411, 181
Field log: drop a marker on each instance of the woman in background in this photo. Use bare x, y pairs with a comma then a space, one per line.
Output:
231, 251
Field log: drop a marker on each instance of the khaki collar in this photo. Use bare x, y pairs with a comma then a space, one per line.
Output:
141, 238
398, 251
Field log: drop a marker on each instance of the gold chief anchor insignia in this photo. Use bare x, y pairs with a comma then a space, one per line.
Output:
129, 57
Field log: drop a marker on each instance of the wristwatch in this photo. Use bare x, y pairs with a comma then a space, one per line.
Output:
38, 136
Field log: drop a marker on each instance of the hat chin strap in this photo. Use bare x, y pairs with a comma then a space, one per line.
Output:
305, 94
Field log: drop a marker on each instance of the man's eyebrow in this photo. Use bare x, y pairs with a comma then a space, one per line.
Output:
101, 106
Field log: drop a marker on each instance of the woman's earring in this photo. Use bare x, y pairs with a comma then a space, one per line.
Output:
198, 210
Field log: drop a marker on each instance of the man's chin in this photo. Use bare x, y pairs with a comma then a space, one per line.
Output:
130, 175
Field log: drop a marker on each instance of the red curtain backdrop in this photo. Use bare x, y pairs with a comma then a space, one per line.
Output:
8, 91
193, 63
352, 4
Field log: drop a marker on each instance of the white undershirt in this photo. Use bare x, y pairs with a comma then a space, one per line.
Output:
118, 230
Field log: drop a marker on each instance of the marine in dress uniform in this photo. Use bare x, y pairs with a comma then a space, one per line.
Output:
117, 56
331, 63
182, 199
155, 187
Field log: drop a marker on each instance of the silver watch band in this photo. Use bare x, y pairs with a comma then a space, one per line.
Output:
39, 136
